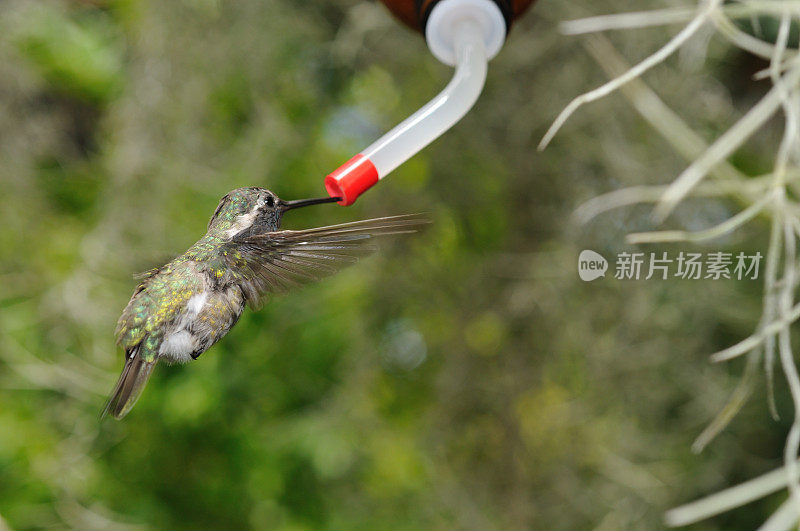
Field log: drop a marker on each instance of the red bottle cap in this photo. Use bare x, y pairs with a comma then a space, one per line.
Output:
351, 179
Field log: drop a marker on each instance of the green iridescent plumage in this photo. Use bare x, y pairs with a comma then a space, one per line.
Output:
181, 309
156, 301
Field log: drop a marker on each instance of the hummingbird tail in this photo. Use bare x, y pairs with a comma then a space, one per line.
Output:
131, 382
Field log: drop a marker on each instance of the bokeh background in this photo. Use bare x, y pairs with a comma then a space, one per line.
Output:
463, 378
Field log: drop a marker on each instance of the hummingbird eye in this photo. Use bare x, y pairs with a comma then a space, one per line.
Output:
270, 201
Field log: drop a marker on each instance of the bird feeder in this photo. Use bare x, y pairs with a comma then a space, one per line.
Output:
465, 34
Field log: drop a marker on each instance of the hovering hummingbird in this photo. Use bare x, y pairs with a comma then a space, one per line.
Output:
183, 307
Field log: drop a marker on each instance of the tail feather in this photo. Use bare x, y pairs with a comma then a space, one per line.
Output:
129, 386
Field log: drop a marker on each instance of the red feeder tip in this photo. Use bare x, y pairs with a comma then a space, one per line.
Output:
351, 179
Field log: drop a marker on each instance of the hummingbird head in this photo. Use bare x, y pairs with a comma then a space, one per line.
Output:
254, 210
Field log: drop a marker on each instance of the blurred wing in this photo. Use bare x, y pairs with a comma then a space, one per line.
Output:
275, 262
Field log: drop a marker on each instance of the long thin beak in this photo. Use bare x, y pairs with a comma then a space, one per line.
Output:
289, 205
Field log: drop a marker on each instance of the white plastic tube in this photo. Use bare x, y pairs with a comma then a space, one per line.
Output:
443, 111
460, 30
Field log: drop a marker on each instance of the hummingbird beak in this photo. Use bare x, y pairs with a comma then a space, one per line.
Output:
298, 203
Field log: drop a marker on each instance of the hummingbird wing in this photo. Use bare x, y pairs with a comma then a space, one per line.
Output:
275, 262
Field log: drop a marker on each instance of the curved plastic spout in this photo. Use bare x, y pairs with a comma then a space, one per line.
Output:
468, 34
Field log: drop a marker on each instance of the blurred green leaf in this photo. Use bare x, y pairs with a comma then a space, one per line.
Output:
80, 55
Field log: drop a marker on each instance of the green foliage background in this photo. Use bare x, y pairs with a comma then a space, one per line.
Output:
462, 379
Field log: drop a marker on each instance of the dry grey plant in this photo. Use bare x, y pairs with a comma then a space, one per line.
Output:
710, 175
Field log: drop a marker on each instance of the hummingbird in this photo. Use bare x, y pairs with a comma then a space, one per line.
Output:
182, 308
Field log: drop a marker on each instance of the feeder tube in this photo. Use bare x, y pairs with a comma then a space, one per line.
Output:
423, 127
